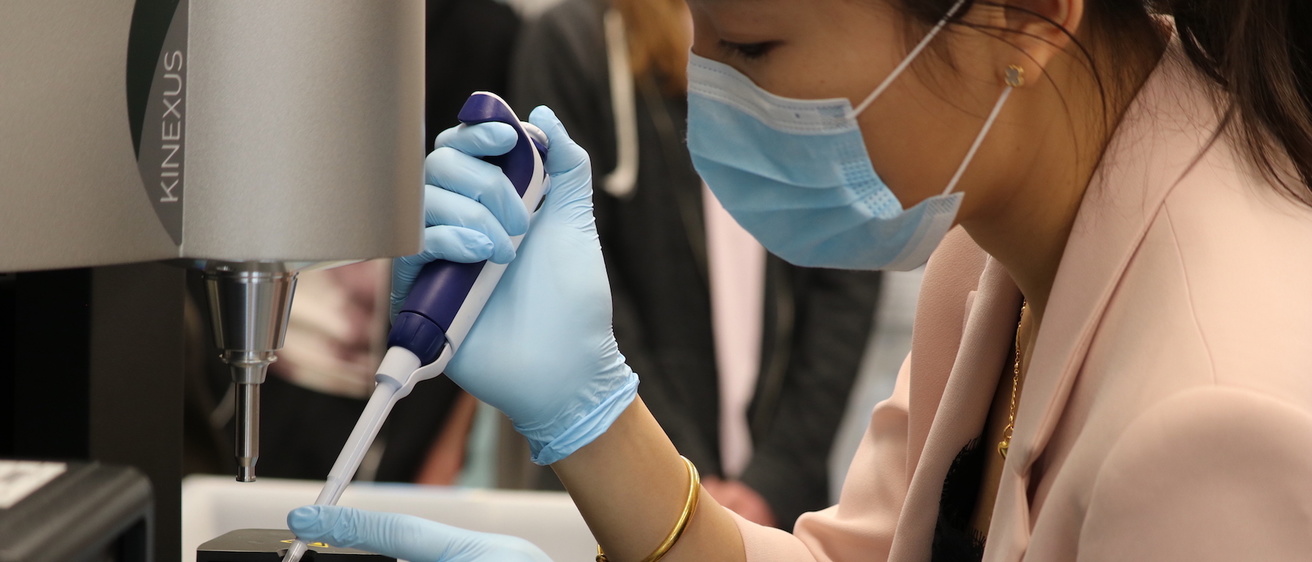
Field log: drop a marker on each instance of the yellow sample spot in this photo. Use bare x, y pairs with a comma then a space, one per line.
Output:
318, 544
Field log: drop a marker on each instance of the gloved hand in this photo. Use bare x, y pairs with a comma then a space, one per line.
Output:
542, 351
473, 215
406, 537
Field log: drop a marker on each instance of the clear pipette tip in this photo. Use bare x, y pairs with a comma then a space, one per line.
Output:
332, 491
296, 551
370, 421
389, 389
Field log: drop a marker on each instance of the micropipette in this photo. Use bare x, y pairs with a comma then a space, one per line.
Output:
441, 307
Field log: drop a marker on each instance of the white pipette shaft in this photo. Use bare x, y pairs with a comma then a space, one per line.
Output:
387, 393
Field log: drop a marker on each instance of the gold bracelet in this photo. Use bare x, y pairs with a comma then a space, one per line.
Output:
689, 507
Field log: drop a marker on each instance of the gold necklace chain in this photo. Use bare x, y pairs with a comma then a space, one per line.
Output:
1015, 388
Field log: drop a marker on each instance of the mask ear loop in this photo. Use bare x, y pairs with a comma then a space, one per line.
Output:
979, 139
902, 66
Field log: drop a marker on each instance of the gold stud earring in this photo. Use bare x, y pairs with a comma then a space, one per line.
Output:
1015, 76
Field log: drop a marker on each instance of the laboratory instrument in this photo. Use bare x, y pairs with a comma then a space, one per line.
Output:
111, 505
251, 141
264, 545
443, 304
247, 140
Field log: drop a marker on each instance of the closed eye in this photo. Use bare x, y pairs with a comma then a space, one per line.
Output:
749, 51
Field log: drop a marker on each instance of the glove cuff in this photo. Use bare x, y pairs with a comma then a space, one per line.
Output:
586, 429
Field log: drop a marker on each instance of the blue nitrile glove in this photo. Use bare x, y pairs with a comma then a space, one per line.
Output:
542, 351
459, 227
406, 537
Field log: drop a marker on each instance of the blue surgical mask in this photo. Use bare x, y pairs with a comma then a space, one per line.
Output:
796, 174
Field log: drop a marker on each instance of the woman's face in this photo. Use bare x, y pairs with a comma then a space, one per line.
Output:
918, 131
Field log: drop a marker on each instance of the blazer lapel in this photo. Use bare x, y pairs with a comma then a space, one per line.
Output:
1166, 129
966, 397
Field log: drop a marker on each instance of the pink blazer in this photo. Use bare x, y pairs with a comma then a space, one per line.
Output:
1167, 409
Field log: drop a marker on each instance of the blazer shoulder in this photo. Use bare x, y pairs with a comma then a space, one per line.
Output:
1211, 473
1241, 250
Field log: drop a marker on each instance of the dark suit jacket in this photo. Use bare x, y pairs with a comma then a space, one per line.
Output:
816, 321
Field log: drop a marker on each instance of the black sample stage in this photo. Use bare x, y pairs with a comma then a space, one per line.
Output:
269, 545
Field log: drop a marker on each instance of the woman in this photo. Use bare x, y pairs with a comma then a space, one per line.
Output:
1110, 359
710, 321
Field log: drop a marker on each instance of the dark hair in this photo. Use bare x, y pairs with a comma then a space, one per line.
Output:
1259, 52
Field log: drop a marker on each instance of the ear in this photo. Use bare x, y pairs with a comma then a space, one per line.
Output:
1036, 31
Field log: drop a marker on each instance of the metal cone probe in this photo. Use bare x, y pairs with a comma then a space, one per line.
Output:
249, 304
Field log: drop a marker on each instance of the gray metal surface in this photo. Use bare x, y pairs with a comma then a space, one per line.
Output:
70, 192
305, 133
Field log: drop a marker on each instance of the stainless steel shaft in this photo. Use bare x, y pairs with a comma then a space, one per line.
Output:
250, 303
248, 430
